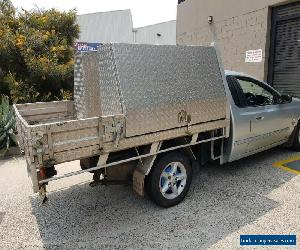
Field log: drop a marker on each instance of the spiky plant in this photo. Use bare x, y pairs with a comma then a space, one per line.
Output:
7, 126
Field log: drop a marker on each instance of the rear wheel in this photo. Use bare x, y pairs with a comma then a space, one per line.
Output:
296, 141
169, 180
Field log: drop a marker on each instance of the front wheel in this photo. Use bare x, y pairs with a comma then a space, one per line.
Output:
170, 179
296, 139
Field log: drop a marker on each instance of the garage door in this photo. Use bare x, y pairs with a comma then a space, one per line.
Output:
284, 67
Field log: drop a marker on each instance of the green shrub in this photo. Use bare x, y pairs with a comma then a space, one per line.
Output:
36, 53
7, 126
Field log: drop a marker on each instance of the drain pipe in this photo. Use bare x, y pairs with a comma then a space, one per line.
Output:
134, 35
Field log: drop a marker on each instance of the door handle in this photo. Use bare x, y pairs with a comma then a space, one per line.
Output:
259, 118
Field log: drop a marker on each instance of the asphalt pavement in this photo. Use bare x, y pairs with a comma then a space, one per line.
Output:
250, 196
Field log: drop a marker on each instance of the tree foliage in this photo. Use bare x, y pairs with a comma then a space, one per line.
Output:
36, 53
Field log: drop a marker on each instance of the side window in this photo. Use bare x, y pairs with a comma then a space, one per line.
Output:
255, 94
234, 91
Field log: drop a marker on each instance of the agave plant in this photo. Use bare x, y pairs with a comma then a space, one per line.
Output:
7, 126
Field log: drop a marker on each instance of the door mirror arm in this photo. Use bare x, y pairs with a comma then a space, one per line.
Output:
283, 99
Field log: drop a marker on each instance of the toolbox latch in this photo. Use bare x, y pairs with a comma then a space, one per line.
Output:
113, 129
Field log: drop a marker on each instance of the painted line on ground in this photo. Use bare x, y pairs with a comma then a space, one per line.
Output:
280, 165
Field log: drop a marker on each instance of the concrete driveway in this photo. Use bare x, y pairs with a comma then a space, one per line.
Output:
246, 197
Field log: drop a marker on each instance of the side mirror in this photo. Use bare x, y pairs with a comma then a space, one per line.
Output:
286, 99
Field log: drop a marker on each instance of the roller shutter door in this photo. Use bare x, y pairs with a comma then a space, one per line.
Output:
284, 73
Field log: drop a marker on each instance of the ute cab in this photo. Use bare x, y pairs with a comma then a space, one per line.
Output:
261, 117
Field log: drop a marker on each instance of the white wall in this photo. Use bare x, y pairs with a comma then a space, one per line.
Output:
104, 27
160, 34
117, 26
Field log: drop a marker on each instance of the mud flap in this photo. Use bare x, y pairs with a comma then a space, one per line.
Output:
196, 167
138, 183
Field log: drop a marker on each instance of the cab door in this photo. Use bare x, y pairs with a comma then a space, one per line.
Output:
239, 144
268, 125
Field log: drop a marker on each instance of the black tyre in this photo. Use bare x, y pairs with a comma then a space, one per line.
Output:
296, 139
169, 180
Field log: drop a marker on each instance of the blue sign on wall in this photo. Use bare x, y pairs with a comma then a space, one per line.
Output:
82, 46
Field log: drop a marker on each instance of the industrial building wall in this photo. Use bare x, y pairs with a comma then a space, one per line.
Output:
161, 34
238, 26
117, 26
102, 27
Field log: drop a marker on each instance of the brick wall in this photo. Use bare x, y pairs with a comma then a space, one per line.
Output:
239, 25
235, 36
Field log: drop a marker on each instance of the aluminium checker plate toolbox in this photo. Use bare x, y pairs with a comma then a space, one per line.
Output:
150, 88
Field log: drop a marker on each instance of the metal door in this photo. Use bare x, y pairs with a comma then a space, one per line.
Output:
284, 63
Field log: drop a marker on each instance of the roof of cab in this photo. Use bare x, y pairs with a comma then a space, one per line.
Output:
235, 73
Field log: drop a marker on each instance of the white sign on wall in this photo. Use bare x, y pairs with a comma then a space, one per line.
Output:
253, 56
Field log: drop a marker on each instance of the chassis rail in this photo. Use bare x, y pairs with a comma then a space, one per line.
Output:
140, 157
